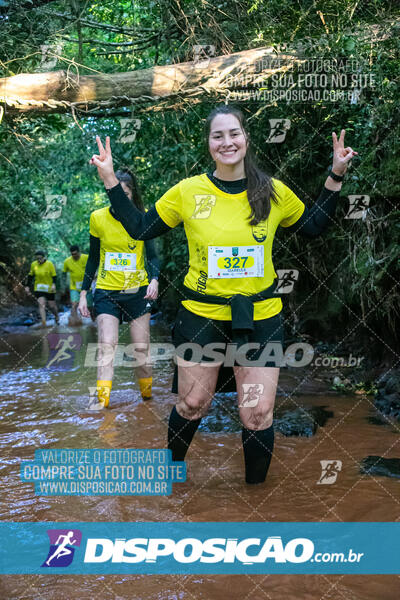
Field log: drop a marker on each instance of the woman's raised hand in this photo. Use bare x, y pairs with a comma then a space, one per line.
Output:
341, 155
104, 163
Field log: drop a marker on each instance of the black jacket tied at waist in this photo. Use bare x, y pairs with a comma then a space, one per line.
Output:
242, 308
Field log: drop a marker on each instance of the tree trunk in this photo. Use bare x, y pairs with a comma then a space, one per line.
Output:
61, 91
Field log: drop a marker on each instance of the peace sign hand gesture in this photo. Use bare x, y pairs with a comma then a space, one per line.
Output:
104, 163
341, 155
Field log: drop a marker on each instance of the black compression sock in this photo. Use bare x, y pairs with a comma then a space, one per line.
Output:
257, 447
180, 434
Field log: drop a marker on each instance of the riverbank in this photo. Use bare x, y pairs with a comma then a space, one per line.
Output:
12, 318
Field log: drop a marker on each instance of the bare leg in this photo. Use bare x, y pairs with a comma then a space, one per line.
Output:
108, 340
54, 310
140, 336
196, 387
42, 309
259, 415
74, 318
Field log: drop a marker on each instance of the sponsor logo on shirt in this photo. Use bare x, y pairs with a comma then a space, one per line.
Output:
259, 232
202, 282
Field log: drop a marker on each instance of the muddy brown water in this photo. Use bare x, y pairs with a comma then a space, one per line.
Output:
45, 408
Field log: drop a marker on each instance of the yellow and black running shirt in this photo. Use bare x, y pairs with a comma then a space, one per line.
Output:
76, 270
43, 274
121, 264
227, 255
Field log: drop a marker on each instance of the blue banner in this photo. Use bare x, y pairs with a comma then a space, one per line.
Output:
209, 548
103, 472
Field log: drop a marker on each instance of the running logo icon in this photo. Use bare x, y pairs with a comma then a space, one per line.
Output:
202, 54
54, 205
62, 350
132, 280
251, 394
330, 470
95, 395
129, 129
204, 204
50, 54
63, 543
279, 127
358, 207
286, 280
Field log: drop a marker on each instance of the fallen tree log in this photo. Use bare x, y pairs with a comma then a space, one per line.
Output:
62, 91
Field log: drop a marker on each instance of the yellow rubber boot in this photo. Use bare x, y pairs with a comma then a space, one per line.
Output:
104, 391
145, 385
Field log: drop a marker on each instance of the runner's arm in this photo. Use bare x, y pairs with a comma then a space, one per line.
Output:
140, 226
316, 219
153, 261
92, 262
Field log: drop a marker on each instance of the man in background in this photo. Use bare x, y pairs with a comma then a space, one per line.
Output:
75, 266
43, 277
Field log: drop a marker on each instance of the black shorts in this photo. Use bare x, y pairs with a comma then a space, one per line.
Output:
265, 347
126, 307
47, 295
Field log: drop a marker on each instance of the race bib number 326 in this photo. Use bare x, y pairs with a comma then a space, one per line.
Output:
235, 261
120, 261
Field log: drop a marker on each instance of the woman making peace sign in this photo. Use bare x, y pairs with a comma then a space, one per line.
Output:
230, 217
124, 289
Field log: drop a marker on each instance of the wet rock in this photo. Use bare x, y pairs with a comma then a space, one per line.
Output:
25, 322
224, 417
340, 382
17, 316
296, 422
387, 397
377, 420
376, 465
301, 421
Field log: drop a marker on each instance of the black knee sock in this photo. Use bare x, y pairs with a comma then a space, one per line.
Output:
180, 434
257, 447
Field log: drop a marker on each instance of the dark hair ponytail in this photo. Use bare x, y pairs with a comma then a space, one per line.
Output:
260, 190
125, 175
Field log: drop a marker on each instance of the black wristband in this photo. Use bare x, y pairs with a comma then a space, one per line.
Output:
335, 177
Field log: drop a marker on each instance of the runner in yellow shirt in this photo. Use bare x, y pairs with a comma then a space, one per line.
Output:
230, 217
43, 277
124, 290
75, 266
